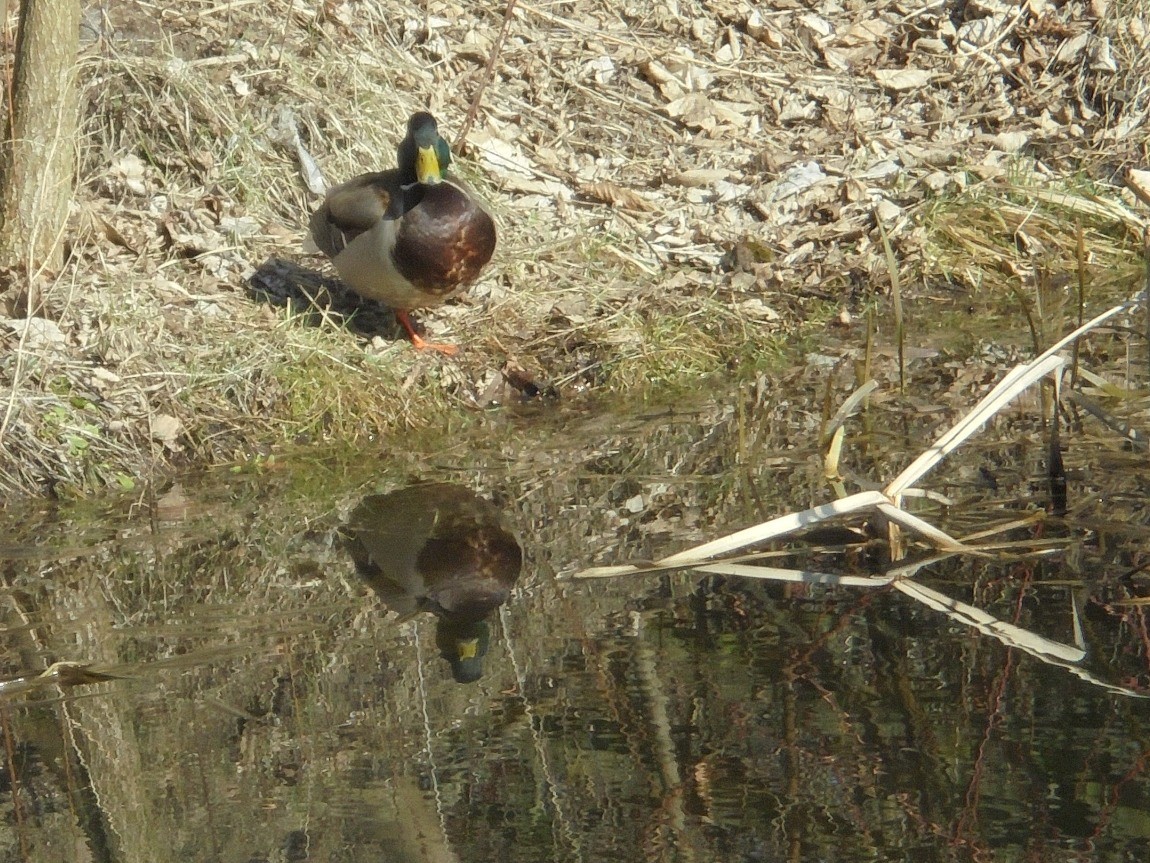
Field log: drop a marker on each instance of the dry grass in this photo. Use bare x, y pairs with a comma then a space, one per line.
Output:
648, 239
996, 234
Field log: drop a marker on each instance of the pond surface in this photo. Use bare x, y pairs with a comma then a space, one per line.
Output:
250, 697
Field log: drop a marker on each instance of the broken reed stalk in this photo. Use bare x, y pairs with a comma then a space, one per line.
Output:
1146, 291
1080, 262
888, 501
896, 302
1028, 311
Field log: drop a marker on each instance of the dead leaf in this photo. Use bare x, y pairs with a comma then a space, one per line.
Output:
131, 172
239, 85
662, 77
698, 177
36, 333
797, 179
92, 221
502, 156
815, 26
113, 234
600, 69
527, 384
165, 428
1102, 56
867, 32
617, 196
1071, 50
693, 109
549, 189
1139, 183
1011, 142
887, 211
286, 133
901, 80
982, 32
75, 674
761, 31
731, 50
735, 113
757, 309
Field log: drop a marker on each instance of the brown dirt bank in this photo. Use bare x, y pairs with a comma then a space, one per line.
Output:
680, 187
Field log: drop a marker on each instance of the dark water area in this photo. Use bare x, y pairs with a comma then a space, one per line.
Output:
261, 676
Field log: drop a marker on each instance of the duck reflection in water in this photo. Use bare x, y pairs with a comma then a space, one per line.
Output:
441, 548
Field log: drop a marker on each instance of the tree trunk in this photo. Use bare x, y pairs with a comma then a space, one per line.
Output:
37, 135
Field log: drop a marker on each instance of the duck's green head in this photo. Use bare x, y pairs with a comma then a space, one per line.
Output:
424, 154
463, 645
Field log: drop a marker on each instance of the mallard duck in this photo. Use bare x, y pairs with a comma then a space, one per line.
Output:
409, 237
440, 548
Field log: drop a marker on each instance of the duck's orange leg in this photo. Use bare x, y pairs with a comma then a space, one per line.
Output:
418, 341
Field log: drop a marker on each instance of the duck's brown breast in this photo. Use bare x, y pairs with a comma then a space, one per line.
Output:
444, 241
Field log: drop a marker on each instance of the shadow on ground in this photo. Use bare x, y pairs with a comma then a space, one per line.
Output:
316, 298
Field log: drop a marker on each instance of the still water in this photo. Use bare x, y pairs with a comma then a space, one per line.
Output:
266, 681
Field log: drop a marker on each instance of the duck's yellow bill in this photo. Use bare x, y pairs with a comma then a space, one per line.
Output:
469, 648
427, 168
